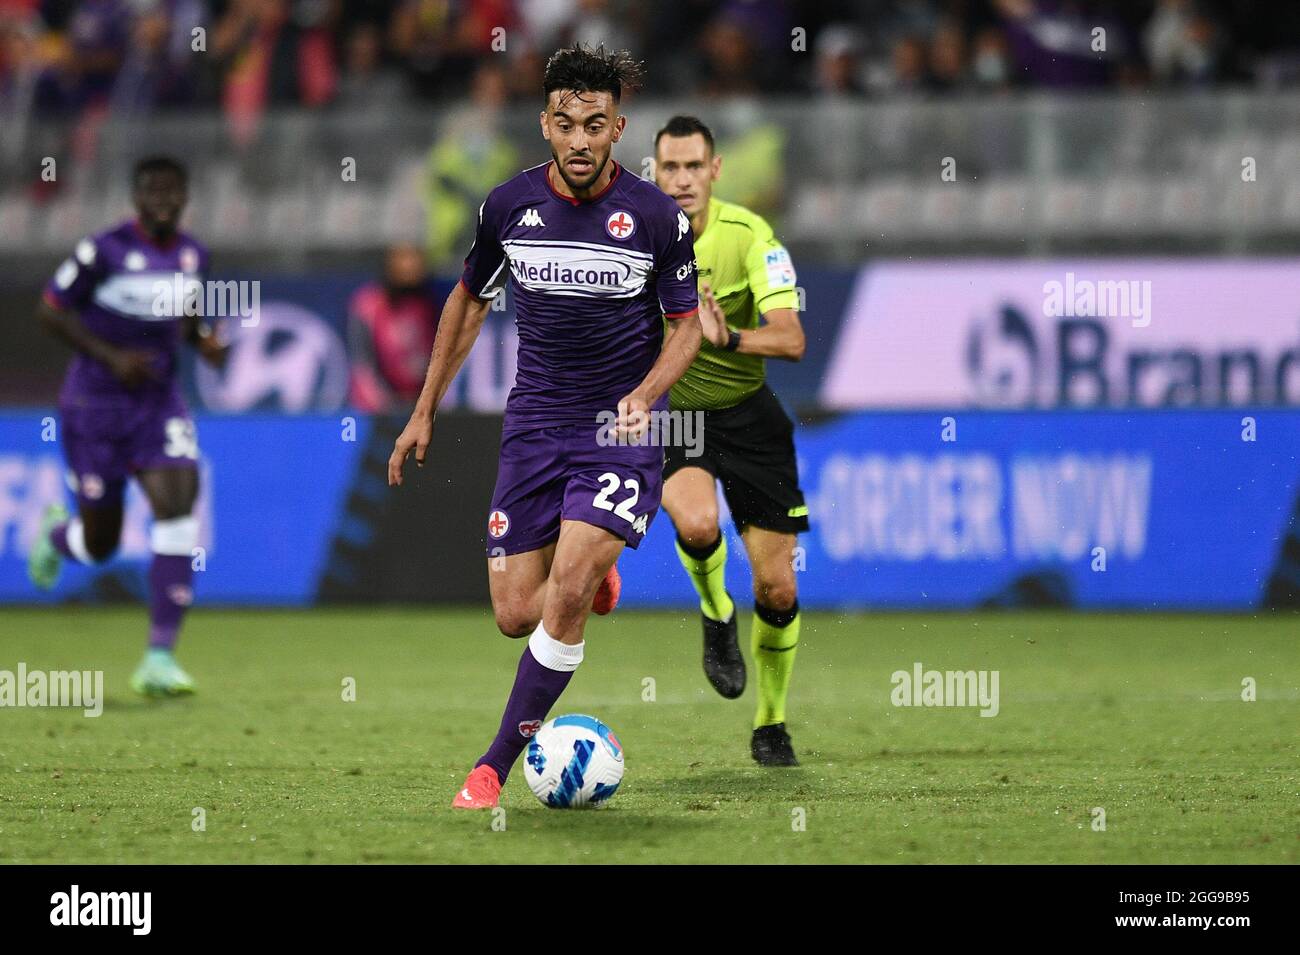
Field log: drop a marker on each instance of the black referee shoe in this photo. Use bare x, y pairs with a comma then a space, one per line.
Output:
723, 664
770, 746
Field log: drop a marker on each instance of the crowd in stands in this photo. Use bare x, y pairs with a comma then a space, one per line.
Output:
64, 58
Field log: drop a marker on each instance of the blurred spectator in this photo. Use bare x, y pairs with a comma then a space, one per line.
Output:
906, 72
1183, 44
367, 82
73, 59
526, 68
948, 58
753, 166
730, 63
274, 58
99, 33
1055, 44
30, 86
838, 67
440, 41
469, 158
546, 21
156, 72
990, 66
391, 327
599, 21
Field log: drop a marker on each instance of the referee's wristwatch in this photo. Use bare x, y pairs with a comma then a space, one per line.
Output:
733, 341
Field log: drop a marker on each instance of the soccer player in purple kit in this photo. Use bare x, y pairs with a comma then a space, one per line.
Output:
596, 257
121, 411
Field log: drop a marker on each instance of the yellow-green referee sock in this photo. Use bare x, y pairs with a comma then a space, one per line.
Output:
774, 641
707, 568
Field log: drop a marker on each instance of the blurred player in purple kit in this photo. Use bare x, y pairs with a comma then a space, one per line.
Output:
596, 258
120, 409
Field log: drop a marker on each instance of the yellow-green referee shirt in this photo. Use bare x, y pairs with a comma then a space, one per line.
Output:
750, 273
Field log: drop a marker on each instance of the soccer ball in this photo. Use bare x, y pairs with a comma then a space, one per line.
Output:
574, 761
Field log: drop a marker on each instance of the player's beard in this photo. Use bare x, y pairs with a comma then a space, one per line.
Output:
577, 184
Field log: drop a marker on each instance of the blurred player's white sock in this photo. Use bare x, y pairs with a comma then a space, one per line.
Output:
75, 537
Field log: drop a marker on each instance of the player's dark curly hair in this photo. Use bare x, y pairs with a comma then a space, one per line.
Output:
152, 164
586, 70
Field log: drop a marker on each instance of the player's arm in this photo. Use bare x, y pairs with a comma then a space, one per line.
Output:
675, 286
203, 335
205, 339
780, 336
461, 322
772, 282
681, 345
70, 289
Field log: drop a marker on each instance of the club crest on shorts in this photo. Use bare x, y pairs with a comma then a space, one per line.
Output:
92, 487
180, 595
498, 525
620, 224
528, 728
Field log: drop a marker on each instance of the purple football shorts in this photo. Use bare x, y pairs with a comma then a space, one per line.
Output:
551, 474
106, 444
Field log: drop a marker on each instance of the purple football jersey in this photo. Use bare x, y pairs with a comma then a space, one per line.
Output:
115, 281
591, 280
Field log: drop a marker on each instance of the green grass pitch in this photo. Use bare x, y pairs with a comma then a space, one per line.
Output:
1139, 715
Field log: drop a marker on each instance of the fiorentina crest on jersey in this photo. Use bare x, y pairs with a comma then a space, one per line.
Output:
498, 524
528, 728
620, 224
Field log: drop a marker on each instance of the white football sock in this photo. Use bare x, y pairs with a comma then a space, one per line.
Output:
553, 654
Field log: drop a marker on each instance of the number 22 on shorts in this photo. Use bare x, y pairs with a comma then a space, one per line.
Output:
609, 484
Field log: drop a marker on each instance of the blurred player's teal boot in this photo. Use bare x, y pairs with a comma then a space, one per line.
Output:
44, 562
160, 675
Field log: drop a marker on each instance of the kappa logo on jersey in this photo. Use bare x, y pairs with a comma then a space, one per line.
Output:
528, 728
498, 524
620, 224
683, 224
135, 261
532, 218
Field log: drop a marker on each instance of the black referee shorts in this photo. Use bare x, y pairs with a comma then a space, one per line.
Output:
749, 447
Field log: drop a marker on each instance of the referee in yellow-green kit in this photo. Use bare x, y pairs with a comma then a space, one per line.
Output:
749, 309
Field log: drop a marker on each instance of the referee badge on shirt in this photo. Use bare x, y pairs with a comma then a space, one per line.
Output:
780, 270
